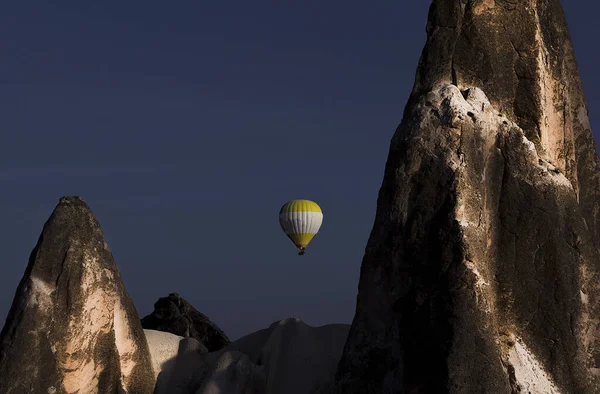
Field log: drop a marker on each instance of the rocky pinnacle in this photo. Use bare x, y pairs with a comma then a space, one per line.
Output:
481, 271
72, 327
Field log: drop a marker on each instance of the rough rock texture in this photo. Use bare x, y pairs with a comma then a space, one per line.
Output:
175, 315
481, 271
72, 327
289, 357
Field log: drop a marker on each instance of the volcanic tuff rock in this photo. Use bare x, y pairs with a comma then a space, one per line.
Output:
481, 272
175, 315
163, 347
289, 357
72, 327
178, 373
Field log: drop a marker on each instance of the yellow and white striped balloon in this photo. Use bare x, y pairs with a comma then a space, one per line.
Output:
301, 220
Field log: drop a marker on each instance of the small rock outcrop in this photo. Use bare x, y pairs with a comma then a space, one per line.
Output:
72, 327
163, 346
289, 357
175, 315
482, 270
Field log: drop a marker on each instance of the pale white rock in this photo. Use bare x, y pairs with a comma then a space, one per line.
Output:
289, 357
163, 348
530, 377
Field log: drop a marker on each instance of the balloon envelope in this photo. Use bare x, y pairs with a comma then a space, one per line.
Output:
301, 220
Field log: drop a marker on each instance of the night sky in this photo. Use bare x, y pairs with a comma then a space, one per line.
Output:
187, 125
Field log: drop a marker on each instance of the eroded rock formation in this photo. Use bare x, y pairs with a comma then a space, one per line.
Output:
289, 357
481, 271
163, 347
175, 315
72, 327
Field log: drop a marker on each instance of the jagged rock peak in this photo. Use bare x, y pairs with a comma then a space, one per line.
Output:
175, 315
72, 327
519, 52
482, 268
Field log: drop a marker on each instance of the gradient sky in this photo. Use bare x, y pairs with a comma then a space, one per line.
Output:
186, 125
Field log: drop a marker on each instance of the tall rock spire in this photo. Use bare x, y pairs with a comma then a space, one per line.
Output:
481, 272
72, 327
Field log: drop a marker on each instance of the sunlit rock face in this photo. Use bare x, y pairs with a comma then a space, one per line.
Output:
481, 271
72, 327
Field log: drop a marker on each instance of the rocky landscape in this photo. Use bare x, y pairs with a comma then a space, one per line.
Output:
72, 328
480, 274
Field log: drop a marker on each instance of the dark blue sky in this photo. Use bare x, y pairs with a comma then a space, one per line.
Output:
186, 125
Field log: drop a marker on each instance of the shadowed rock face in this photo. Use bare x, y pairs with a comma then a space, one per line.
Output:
481, 271
289, 357
72, 327
175, 315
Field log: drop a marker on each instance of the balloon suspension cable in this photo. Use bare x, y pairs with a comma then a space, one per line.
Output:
301, 252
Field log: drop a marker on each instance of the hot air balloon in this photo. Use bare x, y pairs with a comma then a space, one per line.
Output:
300, 220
